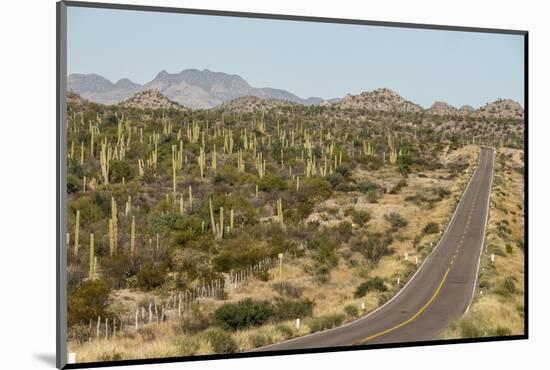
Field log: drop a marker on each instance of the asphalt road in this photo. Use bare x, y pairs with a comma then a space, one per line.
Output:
441, 289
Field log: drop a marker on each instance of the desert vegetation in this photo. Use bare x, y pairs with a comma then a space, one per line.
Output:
212, 231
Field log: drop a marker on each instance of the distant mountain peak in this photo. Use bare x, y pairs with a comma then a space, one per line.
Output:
193, 88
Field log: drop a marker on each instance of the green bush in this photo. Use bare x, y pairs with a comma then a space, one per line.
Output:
243, 314
290, 310
324, 259
372, 196
325, 322
260, 340
351, 310
150, 276
88, 301
375, 283
272, 182
285, 330
361, 217
220, 340
375, 247
395, 220
187, 346
73, 184
120, 169
431, 228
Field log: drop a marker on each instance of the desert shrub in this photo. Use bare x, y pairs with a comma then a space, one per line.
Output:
220, 340
507, 287
73, 184
344, 231
288, 289
89, 210
509, 249
243, 314
187, 346
187, 228
325, 322
271, 182
289, 310
395, 220
285, 330
431, 228
351, 310
372, 196
375, 283
470, 328
150, 276
343, 169
315, 189
120, 169
366, 186
110, 356
147, 333
117, 269
88, 301
375, 247
336, 179
361, 217
194, 323
324, 259
500, 331
397, 188
260, 340
241, 252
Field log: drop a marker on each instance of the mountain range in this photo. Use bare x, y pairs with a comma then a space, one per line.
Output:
191, 88
196, 89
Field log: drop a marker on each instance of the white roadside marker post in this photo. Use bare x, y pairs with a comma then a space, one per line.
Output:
416, 260
492, 258
71, 358
297, 324
363, 306
398, 281
406, 256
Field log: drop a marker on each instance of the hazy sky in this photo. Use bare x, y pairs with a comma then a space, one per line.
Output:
307, 59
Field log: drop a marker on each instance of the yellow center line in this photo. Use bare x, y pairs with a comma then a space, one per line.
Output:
411, 319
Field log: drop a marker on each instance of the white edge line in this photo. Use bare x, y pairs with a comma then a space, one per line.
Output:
400, 291
483, 242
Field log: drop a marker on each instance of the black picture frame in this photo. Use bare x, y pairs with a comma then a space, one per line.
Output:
61, 170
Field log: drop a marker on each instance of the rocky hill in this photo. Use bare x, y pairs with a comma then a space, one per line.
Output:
150, 99
502, 108
466, 109
384, 100
75, 99
191, 88
250, 104
442, 109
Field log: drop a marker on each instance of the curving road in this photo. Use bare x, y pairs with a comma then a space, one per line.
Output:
441, 289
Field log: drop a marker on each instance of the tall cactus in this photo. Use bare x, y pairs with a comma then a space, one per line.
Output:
190, 199
133, 239
280, 212
76, 233
92, 257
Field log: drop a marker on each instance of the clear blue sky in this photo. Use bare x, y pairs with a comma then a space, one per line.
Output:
307, 59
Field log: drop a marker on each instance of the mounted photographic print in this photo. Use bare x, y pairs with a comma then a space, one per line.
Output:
237, 185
